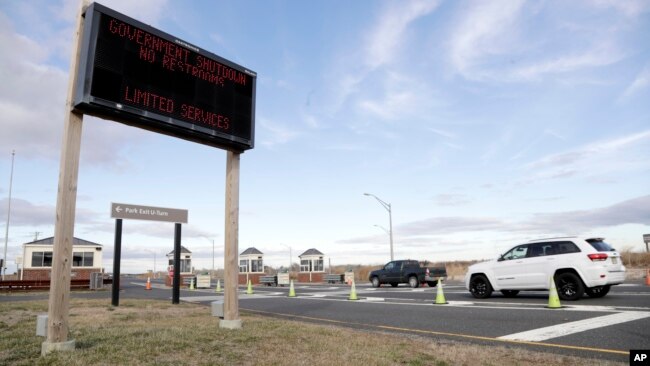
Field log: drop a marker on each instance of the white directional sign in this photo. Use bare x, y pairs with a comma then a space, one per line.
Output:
137, 212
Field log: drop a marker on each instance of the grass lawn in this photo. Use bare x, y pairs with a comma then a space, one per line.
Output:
144, 332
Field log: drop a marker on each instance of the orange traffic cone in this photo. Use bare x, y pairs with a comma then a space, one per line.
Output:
148, 286
647, 278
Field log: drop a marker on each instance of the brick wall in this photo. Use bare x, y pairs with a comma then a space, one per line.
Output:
315, 277
253, 277
45, 273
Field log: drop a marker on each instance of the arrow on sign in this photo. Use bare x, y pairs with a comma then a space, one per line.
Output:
118, 209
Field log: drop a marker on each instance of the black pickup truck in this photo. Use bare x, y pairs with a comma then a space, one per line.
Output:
407, 271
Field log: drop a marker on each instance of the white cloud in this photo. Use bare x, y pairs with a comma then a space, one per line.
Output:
496, 41
146, 11
31, 97
486, 30
32, 100
632, 211
26, 213
619, 154
388, 34
274, 133
596, 57
382, 43
640, 82
450, 199
577, 222
401, 98
631, 8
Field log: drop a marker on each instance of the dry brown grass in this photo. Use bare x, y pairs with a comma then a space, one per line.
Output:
635, 259
142, 332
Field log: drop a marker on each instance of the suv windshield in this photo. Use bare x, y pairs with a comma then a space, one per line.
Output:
600, 245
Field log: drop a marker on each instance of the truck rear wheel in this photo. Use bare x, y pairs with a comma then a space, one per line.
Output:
413, 282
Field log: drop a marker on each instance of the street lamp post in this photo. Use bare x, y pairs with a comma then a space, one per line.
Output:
212, 274
154, 261
390, 220
3, 269
290, 258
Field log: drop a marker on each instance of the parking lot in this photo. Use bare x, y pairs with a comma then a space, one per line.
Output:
606, 327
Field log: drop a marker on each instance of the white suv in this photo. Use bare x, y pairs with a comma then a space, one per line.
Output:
577, 265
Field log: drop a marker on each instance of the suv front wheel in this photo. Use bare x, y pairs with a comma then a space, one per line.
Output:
480, 287
569, 286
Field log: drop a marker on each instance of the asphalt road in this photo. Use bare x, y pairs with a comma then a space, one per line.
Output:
605, 328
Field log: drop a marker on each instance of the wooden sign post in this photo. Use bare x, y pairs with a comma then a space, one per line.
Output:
232, 125
66, 202
231, 301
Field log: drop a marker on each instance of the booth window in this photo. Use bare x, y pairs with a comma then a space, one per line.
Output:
82, 259
42, 259
243, 266
186, 265
318, 265
304, 265
256, 266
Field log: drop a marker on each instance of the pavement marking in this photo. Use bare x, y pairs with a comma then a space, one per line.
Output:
447, 334
200, 298
560, 330
373, 299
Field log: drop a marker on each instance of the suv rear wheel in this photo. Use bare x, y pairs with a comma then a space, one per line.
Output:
569, 286
480, 287
598, 291
509, 293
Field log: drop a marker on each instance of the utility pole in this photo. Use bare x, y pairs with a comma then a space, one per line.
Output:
11, 179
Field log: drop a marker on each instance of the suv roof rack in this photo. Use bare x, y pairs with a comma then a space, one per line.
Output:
556, 237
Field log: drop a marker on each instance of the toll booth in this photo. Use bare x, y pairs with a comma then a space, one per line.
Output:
251, 266
186, 267
38, 254
312, 267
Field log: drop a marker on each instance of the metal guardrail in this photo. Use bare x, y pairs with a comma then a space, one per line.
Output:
269, 280
334, 278
43, 285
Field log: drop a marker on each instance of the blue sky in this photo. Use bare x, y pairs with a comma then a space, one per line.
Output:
483, 124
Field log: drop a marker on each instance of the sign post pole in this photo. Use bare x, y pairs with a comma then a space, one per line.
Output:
117, 257
59, 300
176, 280
231, 270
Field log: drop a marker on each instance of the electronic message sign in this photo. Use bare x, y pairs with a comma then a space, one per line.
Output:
132, 73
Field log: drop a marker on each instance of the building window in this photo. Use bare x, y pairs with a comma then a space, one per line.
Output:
243, 266
304, 265
186, 265
42, 259
256, 266
318, 265
82, 259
